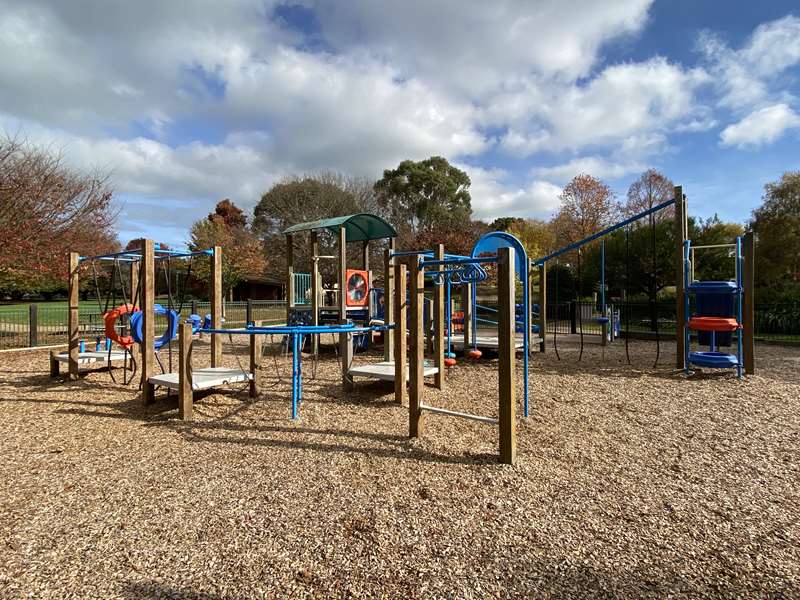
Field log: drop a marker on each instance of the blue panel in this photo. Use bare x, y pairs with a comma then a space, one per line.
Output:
491, 242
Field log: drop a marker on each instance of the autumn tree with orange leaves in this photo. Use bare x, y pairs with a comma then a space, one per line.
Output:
587, 206
46, 210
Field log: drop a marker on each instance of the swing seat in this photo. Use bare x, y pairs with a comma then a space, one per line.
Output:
169, 333
110, 321
713, 324
713, 360
601, 320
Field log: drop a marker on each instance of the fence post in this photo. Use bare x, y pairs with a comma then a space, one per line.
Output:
194, 307
573, 316
248, 318
33, 325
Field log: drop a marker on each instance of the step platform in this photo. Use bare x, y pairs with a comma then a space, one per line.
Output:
384, 371
490, 342
85, 358
713, 360
203, 379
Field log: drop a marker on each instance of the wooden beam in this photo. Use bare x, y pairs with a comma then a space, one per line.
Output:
134, 284
401, 332
147, 298
316, 287
73, 328
255, 363
345, 342
543, 306
748, 303
289, 276
680, 237
185, 393
438, 324
388, 300
216, 307
506, 354
417, 359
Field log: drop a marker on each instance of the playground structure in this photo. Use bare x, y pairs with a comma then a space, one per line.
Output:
742, 288
140, 307
407, 336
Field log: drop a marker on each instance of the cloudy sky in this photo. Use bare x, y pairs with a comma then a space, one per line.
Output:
187, 102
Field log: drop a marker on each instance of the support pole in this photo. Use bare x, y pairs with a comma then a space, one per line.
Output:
185, 393
289, 276
345, 343
438, 323
74, 315
365, 255
748, 303
401, 332
416, 361
542, 305
466, 303
134, 284
388, 301
255, 363
33, 325
216, 307
316, 287
681, 234
507, 350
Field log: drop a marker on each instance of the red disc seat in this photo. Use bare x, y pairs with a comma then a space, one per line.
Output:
713, 324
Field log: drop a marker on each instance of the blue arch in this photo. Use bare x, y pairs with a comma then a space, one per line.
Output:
491, 242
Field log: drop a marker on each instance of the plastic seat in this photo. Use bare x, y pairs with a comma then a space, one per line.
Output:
713, 360
713, 324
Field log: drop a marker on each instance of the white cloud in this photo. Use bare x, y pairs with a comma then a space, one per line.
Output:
745, 77
760, 127
596, 166
493, 196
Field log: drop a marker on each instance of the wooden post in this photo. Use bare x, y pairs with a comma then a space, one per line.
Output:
466, 301
255, 363
147, 299
53, 363
543, 306
216, 307
388, 301
289, 276
681, 233
185, 393
345, 343
416, 363
74, 315
748, 303
33, 325
438, 323
248, 312
507, 351
401, 332
316, 287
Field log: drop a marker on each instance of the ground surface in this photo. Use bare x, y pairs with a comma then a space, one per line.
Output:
631, 482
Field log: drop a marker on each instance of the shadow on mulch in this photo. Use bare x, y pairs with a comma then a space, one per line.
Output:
150, 590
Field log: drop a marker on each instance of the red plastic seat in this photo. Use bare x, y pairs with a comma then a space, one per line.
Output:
713, 324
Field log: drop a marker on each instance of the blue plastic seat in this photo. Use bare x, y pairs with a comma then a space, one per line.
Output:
713, 360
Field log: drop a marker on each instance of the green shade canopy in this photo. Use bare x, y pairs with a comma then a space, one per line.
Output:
360, 227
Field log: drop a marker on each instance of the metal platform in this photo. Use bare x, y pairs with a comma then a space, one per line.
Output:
203, 379
85, 358
385, 371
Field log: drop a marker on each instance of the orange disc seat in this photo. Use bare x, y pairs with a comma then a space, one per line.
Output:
713, 324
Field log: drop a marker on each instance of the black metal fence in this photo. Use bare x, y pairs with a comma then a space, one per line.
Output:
44, 325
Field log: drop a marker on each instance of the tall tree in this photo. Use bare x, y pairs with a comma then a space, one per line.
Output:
587, 206
505, 223
536, 235
242, 251
651, 189
776, 223
46, 210
424, 194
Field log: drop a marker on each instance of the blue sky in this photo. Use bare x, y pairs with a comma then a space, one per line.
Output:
185, 103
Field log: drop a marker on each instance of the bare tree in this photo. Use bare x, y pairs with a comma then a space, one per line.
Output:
651, 189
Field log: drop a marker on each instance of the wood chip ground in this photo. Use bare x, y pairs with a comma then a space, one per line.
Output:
631, 482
